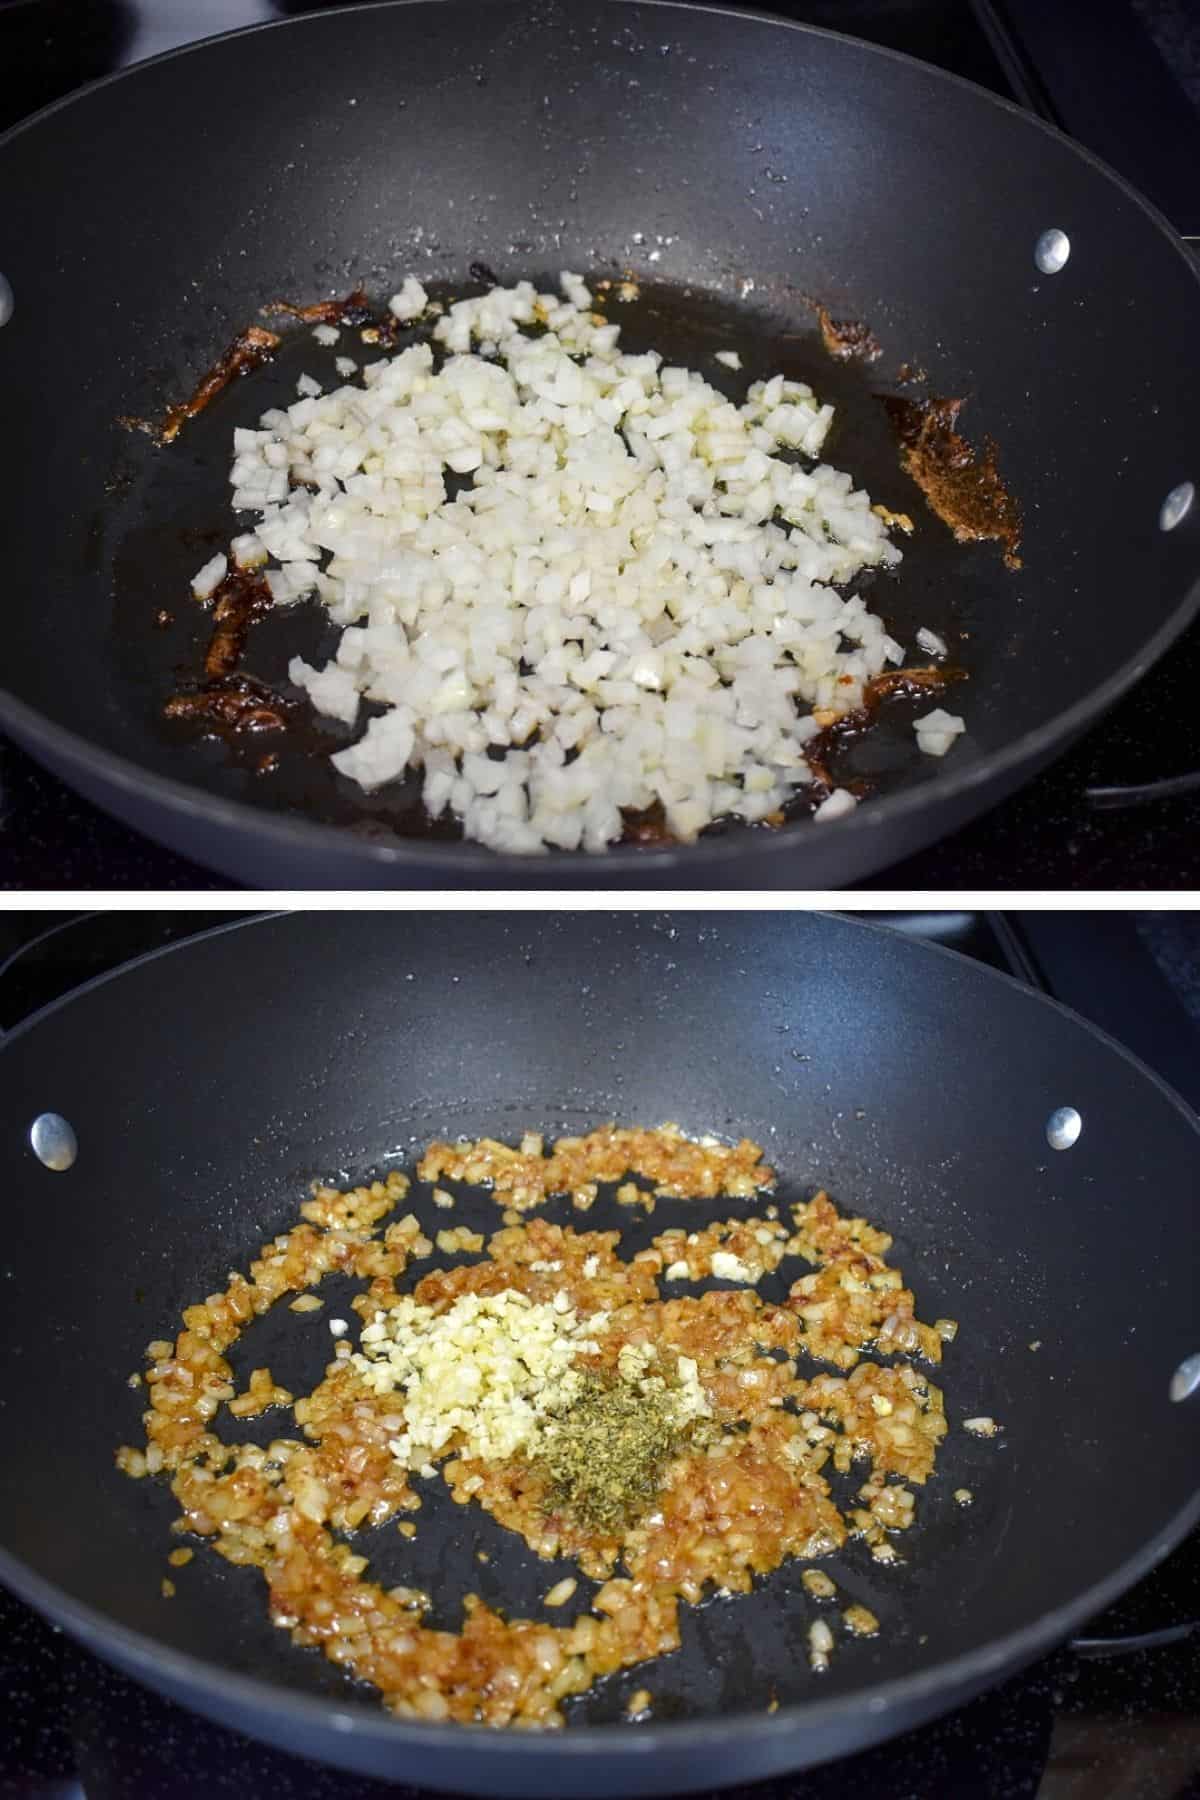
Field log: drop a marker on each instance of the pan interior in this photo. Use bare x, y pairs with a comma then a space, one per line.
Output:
733, 164
857, 1061
176, 514
739, 1652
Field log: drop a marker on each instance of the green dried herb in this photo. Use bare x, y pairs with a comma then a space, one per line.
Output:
604, 1453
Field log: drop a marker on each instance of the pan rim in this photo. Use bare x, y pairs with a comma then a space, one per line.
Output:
284, 833
353, 1716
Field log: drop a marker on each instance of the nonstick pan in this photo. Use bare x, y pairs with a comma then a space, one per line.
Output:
209, 1084
740, 167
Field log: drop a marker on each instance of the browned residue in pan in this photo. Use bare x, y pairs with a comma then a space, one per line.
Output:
249, 350
226, 703
819, 751
648, 828
913, 684
352, 309
233, 706
241, 599
847, 338
961, 484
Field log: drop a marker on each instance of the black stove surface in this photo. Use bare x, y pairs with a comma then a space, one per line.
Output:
1116, 1716
1132, 98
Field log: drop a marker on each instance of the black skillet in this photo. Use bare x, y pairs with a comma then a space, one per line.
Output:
208, 1084
735, 163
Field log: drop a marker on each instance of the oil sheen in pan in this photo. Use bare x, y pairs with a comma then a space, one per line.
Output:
173, 514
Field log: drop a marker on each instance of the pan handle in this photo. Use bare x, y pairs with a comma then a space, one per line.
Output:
1095, 1648
1112, 799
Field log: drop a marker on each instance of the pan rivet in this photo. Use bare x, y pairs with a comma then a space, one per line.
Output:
1176, 507
1063, 1128
53, 1141
1051, 251
1186, 1379
6, 301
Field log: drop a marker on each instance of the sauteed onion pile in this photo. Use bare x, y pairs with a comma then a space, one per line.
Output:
672, 1445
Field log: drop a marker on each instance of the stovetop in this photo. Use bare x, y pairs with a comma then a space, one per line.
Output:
1121, 75
1114, 1717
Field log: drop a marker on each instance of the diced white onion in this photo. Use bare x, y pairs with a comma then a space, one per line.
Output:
636, 602
207, 580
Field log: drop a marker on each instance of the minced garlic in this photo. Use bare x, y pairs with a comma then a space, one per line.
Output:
483, 1373
728, 1267
820, 1645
